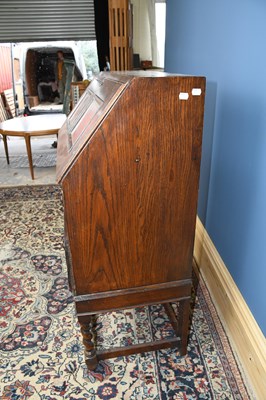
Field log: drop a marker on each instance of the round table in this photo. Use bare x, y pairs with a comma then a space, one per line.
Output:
34, 125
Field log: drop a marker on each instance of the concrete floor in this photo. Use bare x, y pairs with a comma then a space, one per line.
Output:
10, 176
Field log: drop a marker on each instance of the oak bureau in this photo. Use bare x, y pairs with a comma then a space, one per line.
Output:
128, 161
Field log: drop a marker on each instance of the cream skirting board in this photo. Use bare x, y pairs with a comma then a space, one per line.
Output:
242, 329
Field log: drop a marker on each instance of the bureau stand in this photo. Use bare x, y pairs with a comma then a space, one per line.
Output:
180, 326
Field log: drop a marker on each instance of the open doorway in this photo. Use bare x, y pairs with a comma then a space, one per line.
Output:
38, 72
35, 68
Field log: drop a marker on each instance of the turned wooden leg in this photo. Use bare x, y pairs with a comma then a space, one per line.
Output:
86, 324
6, 148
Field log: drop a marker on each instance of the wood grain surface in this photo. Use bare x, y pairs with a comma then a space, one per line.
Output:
131, 192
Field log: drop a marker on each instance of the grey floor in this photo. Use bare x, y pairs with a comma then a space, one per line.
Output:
12, 176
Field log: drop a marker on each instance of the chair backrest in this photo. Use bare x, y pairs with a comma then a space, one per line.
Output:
9, 96
3, 112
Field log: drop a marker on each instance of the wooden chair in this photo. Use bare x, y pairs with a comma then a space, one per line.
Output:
3, 117
10, 103
3, 112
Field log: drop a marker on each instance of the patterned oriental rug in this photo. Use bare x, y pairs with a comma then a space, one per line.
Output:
41, 353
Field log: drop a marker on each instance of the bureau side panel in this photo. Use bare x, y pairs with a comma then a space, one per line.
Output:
131, 196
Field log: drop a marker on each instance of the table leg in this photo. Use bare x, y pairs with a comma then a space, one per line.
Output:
6, 148
28, 145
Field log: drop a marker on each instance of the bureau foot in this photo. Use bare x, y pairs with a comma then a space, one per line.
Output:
180, 325
91, 359
87, 325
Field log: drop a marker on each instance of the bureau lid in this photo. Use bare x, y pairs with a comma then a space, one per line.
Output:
93, 106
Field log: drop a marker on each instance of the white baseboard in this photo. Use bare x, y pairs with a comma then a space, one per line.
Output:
243, 331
